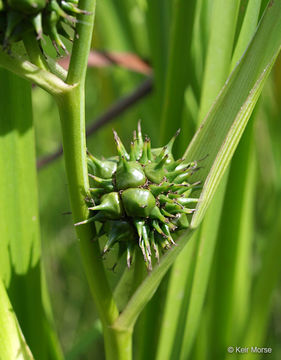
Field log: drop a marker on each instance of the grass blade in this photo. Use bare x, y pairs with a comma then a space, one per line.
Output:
20, 255
158, 23
179, 69
12, 342
207, 242
229, 309
227, 119
179, 285
267, 280
224, 16
219, 53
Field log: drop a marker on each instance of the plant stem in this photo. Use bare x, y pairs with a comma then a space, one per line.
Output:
72, 114
71, 108
82, 43
118, 344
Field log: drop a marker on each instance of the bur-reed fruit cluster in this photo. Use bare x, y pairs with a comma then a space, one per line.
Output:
141, 197
18, 18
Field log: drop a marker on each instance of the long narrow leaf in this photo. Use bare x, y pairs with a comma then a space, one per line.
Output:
227, 119
20, 248
12, 342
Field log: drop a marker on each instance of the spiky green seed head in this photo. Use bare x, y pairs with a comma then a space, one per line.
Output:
37, 17
142, 198
28, 7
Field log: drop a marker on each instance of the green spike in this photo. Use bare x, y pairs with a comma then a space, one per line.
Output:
154, 246
69, 7
158, 189
133, 155
144, 158
101, 168
178, 209
149, 153
145, 232
185, 175
161, 155
173, 195
51, 22
163, 241
170, 144
166, 231
110, 206
119, 231
120, 147
142, 247
175, 174
101, 183
164, 199
139, 224
54, 7
147, 246
139, 140
37, 24
157, 227
109, 244
156, 214
166, 213
174, 165
181, 221
188, 188
130, 254
161, 163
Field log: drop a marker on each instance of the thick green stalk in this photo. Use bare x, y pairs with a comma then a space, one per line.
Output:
72, 114
82, 43
71, 108
118, 344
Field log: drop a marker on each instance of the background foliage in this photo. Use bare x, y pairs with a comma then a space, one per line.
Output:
241, 300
